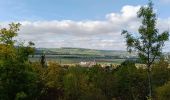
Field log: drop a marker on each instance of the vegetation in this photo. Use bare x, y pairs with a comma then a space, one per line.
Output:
21, 79
163, 92
17, 80
150, 42
80, 51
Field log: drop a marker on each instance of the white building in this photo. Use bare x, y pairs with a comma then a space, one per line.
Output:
87, 64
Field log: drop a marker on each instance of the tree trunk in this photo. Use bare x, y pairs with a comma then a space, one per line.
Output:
149, 81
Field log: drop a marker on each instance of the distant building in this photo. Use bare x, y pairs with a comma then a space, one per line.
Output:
167, 57
87, 64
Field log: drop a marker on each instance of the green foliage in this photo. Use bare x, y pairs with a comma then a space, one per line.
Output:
103, 79
131, 82
17, 78
160, 74
20, 96
16, 74
50, 81
6, 35
78, 87
163, 92
149, 42
24, 51
52, 75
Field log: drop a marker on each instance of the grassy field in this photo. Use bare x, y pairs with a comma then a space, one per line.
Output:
77, 55
78, 60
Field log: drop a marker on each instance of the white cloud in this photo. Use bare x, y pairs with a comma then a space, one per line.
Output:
105, 34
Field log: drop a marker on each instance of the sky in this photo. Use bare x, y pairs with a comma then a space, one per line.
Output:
94, 24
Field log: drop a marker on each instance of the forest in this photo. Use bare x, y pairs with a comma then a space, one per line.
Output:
21, 79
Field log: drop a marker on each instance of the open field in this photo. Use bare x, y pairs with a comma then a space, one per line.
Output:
77, 55
78, 60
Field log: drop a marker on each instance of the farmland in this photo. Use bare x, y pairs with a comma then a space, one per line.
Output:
76, 55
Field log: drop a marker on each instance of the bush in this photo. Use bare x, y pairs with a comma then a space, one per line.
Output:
131, 82
163, 92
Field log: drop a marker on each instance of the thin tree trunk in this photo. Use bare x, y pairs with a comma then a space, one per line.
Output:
149, 82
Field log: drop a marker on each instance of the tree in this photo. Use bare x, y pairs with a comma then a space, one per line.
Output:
23, 52
103, 79
160, 73
51, 78
131, 84
17, 79
7, 42
43, 60
149, 42
79, 86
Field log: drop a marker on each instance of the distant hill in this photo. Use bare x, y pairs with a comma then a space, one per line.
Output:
76, 55
82, 51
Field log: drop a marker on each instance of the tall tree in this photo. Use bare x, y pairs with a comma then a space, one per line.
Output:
17, 80
149, 42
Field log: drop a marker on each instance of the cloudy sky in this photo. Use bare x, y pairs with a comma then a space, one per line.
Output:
95, 24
